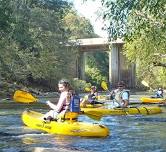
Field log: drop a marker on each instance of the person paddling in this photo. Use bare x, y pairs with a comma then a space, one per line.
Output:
91, 97
121, 95
64, 102
159, 93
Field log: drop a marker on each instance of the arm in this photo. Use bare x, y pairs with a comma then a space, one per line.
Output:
126, 103
125, 99
62, 101
96, 93
51, 105
112, 94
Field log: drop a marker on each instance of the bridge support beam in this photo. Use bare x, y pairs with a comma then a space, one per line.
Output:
119, 70
80, 65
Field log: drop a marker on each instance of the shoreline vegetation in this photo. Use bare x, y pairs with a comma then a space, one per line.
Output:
7, 90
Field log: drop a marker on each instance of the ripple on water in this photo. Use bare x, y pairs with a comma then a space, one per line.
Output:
128, 133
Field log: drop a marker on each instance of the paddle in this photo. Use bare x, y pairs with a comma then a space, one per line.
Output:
145, 84
87, 89
26, 97
96, 115
105, 87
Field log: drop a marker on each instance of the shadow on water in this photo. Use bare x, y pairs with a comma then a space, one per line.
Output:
127, 133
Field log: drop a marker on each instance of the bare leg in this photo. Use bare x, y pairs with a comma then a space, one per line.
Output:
51, 114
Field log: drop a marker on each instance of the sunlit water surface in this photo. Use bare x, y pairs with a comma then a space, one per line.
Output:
127, 133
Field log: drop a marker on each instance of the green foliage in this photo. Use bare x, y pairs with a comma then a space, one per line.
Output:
95, 76
78, 27
97, 67
80, 85
129, 17
142, 25
33, 38
99, 60
5, 17
145, 52
40, 35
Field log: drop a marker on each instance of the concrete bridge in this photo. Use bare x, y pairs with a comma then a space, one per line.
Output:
118, 67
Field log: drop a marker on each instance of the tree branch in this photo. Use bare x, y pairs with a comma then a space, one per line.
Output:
159, 64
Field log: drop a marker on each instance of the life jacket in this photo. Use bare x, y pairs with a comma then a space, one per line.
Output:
71, 112
91, 98
75, 104
118, 95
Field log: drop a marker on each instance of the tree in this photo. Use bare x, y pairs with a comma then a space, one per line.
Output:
142, 25
33, 38
35, 45
78, 26
97, 67
5, 17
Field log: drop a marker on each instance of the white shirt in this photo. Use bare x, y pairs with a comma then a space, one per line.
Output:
125, 96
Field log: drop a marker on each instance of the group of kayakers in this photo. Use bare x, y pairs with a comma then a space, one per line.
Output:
120, 96
68, 100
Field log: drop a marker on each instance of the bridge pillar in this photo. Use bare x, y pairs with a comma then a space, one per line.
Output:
81, 65
119, 69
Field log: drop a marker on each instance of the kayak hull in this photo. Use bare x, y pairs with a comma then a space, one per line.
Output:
125, 111
91, 105
73, 128
152, 100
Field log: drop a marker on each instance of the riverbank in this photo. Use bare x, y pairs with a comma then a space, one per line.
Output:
7, 90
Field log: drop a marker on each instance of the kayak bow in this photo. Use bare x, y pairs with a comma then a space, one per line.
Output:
152, 100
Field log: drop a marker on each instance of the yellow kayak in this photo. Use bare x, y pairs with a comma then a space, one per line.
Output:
23, 97
68, 127
91, 105
125, 111
152, 100
102, 97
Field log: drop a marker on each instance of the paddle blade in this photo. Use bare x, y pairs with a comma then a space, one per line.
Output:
96, 115
145, 83
104, 85
24, 97
93, 117
87, 89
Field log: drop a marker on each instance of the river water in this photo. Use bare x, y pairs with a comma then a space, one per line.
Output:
127, 133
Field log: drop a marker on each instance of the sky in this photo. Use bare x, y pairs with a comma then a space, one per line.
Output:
90, 10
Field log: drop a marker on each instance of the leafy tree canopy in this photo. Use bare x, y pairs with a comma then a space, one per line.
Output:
142, 24
33, 37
